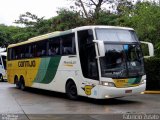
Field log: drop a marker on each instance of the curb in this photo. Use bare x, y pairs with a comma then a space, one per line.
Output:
151, 92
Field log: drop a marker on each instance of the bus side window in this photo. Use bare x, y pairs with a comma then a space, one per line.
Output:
9, 52
52, 51
54, 46
26, 51
68, 43
17, 53
32, 50
12, 53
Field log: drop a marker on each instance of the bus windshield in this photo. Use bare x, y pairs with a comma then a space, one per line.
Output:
116, 35
122, 61
123, 57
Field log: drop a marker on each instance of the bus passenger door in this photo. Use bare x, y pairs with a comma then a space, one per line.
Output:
88, 62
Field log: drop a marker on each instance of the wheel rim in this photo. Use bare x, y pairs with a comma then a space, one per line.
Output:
73, 90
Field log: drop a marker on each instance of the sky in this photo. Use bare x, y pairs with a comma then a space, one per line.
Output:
11, 9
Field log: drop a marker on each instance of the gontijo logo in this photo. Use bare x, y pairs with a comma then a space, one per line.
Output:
27, 63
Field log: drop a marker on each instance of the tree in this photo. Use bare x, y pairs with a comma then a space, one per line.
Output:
7, 34
106, 18
28, 19
90, 8
123, 6
145, 19
33, 25
66, 19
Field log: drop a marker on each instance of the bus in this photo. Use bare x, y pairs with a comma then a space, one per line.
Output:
3, 74
93, 61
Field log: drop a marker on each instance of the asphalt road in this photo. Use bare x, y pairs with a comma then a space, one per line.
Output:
35, 104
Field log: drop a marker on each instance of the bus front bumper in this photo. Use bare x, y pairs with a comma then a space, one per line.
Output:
113, 92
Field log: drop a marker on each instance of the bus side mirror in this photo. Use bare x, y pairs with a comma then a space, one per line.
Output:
150, 49
101, 48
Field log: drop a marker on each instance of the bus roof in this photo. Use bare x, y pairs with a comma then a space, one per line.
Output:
101, 26
58, 33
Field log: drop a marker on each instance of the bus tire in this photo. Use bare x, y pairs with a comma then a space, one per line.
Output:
1, 78
22, 83
16, 82
71, 90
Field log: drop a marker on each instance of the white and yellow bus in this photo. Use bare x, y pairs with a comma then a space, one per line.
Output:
3, 73
93, 61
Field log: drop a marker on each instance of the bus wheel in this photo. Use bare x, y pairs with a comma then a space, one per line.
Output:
1, 77
22, 84
71, 90
16, 82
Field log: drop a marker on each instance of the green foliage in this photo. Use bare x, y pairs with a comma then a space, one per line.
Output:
7, 34
153, 73
106, 18
12, 34
89, 8
28, 19
145, 19
67, 19
158, 49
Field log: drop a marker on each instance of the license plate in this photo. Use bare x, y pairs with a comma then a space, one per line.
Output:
128, 91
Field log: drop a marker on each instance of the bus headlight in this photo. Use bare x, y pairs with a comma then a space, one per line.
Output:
109, 84
142, 81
